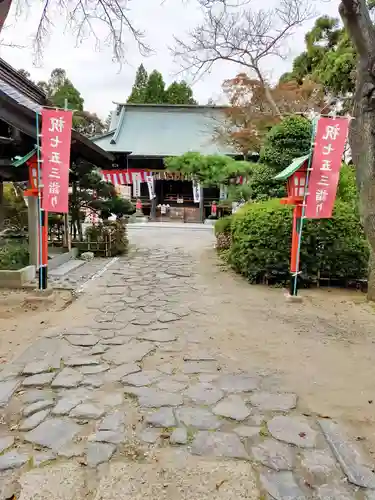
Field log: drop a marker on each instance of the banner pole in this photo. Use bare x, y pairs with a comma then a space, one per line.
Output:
39, 206
299, 224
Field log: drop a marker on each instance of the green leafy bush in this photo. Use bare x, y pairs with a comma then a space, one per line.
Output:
286, 141
347, 188
14, 255
261, 241
223, 225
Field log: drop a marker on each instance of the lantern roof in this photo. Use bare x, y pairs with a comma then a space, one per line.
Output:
292, 168
18, 160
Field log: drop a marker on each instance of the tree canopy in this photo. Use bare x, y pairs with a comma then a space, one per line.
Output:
329, 58
60, 90
150, 89
250, 116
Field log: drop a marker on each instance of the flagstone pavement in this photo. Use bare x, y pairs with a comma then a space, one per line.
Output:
133, 402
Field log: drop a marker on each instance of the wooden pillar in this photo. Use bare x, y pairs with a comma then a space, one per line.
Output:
32, 216
201, 204
153, 203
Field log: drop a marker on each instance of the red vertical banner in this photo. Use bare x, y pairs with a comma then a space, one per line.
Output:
329, 147
56, 141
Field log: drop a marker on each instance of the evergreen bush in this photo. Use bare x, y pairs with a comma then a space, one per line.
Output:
261, 243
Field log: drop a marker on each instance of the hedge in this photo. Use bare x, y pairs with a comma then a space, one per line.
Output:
261, 241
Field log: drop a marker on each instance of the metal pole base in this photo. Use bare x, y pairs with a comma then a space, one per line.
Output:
43, 281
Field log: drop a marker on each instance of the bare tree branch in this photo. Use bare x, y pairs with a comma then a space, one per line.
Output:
242, 36
89, 17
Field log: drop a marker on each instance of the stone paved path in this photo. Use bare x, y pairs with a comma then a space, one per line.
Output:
132, 402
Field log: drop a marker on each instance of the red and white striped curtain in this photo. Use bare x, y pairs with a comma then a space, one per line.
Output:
120, 177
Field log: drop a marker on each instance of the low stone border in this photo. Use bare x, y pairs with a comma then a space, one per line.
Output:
17, 278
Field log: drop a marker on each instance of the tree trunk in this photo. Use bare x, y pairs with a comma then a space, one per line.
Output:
358, 23
4, 11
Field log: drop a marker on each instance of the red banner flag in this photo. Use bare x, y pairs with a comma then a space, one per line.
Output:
329, 147
56, 140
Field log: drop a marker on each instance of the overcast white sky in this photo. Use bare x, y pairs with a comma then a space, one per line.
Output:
100, 80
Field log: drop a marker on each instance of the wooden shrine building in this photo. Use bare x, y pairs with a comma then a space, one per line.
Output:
20, 101
142, 135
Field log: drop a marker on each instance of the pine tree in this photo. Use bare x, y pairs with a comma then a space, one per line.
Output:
179, 93
155, 90
137, 95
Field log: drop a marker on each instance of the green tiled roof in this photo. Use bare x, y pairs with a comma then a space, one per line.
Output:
146, 130
293, 167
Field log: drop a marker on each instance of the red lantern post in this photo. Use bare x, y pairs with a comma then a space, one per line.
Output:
296, 176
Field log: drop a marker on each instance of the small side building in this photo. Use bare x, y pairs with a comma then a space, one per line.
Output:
142, 135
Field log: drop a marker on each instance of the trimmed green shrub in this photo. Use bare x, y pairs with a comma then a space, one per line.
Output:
286, 141
223, 225
261, 243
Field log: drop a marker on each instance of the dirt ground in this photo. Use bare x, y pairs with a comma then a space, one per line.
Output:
323, 349
22, 322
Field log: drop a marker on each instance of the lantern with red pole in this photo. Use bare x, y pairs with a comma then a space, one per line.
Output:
296, 176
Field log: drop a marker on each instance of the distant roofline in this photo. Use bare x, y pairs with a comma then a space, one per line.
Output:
182, 106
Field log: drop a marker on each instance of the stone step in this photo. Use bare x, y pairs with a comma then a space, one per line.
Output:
66, 268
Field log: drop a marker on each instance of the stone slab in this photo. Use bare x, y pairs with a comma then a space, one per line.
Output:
117, 373
158, 336
349, 456
199, 418
35, 419
83, 340
267, 401
204, 394
36, 367
281, 486
87, 411
39, 380
66, 268
129, 353
245, 431
274, 455
68, 377
113, 421
53, 433
37, 406
142, 378
81, 361
169, 385
65, 405
12, 460
98, 453
232, 407
153, 398
334, 491
237, 383
319, 466
164, 417
218, 444
193, 367
179, 436
293, 430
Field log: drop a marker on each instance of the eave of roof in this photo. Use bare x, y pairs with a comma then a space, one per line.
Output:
290, 169
170, 106
23, 104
